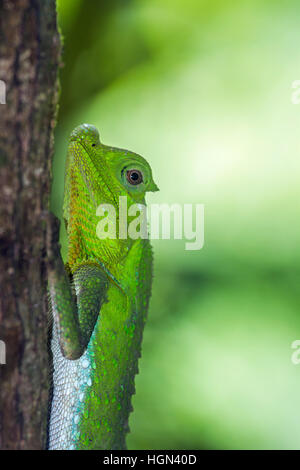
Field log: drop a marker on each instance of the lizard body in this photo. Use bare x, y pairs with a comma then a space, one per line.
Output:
99, 300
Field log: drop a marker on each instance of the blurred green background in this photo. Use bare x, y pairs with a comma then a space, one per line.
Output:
203, 90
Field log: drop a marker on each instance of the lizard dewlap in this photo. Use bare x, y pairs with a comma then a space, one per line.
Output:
99, 300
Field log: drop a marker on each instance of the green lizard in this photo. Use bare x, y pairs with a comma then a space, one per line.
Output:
99, 300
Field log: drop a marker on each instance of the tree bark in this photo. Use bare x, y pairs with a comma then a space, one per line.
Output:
29, 61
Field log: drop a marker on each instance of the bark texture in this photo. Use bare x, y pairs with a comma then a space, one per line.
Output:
29, 60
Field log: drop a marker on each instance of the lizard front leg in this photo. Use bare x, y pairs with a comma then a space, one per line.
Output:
74, 314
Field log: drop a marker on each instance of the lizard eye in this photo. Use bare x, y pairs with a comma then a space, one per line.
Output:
134, 177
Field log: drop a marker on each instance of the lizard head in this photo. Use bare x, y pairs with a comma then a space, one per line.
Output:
99, 174
123, 171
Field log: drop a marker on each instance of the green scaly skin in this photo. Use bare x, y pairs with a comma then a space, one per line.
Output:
99, 300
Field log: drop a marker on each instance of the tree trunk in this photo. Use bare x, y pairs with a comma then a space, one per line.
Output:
29, 60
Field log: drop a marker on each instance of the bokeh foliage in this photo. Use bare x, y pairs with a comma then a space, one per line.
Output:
203, 90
